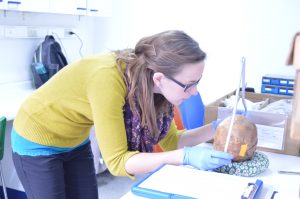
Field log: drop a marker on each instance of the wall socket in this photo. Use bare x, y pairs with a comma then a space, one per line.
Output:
35, 32
67, 33
62, 32
15, 32
31, 32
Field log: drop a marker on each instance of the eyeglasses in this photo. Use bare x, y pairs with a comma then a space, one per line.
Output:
184, 86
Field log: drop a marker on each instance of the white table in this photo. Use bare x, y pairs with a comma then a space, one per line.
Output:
12, 96
288, 186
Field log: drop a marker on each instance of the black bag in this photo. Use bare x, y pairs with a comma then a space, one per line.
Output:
48, 59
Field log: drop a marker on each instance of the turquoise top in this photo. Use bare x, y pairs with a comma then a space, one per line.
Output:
23, 146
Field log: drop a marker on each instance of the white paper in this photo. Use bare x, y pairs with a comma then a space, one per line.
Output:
196, 183
270, 137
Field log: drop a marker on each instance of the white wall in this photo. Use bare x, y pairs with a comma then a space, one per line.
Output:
16, 54
259, 30
113, 33
227, 30
270, 26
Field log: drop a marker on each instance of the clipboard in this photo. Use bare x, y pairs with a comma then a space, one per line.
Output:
185, 182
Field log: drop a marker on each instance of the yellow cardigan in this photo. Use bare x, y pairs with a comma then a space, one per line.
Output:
86, 93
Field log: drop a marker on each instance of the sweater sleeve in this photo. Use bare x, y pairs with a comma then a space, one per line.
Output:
170, 142
106, 92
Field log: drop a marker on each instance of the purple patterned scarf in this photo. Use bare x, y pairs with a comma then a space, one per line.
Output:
140, 138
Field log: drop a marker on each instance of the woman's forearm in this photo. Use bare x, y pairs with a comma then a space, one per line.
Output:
142, 163
196, 136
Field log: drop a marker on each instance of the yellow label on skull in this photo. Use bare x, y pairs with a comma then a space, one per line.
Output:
243, 150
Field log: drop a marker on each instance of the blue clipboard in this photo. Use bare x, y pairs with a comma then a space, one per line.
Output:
155, 194
253, 189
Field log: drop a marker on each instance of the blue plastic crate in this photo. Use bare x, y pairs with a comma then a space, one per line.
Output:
290, 91
275, 81
286, 91
280, 90
266, 80
291, 83
278, 80
269, 89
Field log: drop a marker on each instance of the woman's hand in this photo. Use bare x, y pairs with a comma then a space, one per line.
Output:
205, 158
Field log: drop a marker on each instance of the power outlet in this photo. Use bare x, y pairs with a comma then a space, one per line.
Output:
61, 32
15, 32
32, 32
67, 32
36, 32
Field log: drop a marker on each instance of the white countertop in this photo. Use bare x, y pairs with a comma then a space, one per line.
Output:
12, 96
288, 186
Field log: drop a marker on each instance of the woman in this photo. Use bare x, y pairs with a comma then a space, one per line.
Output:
129, 97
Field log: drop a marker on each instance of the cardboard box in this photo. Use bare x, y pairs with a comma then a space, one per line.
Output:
294, 59
294, 53
295, 121
291, 146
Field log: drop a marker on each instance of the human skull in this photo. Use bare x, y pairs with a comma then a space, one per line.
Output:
243, 140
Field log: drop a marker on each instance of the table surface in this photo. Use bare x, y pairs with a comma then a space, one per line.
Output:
287, 185
12, 96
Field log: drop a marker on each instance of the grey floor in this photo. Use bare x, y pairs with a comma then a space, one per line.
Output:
112, 187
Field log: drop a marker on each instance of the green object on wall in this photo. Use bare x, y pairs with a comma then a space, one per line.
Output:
2, 135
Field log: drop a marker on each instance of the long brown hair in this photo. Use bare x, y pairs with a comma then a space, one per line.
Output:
164, 52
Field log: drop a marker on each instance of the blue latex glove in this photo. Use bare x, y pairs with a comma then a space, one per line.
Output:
243, 113
205, 158
216, 123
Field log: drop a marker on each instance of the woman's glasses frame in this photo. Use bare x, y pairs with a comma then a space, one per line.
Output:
184, 86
